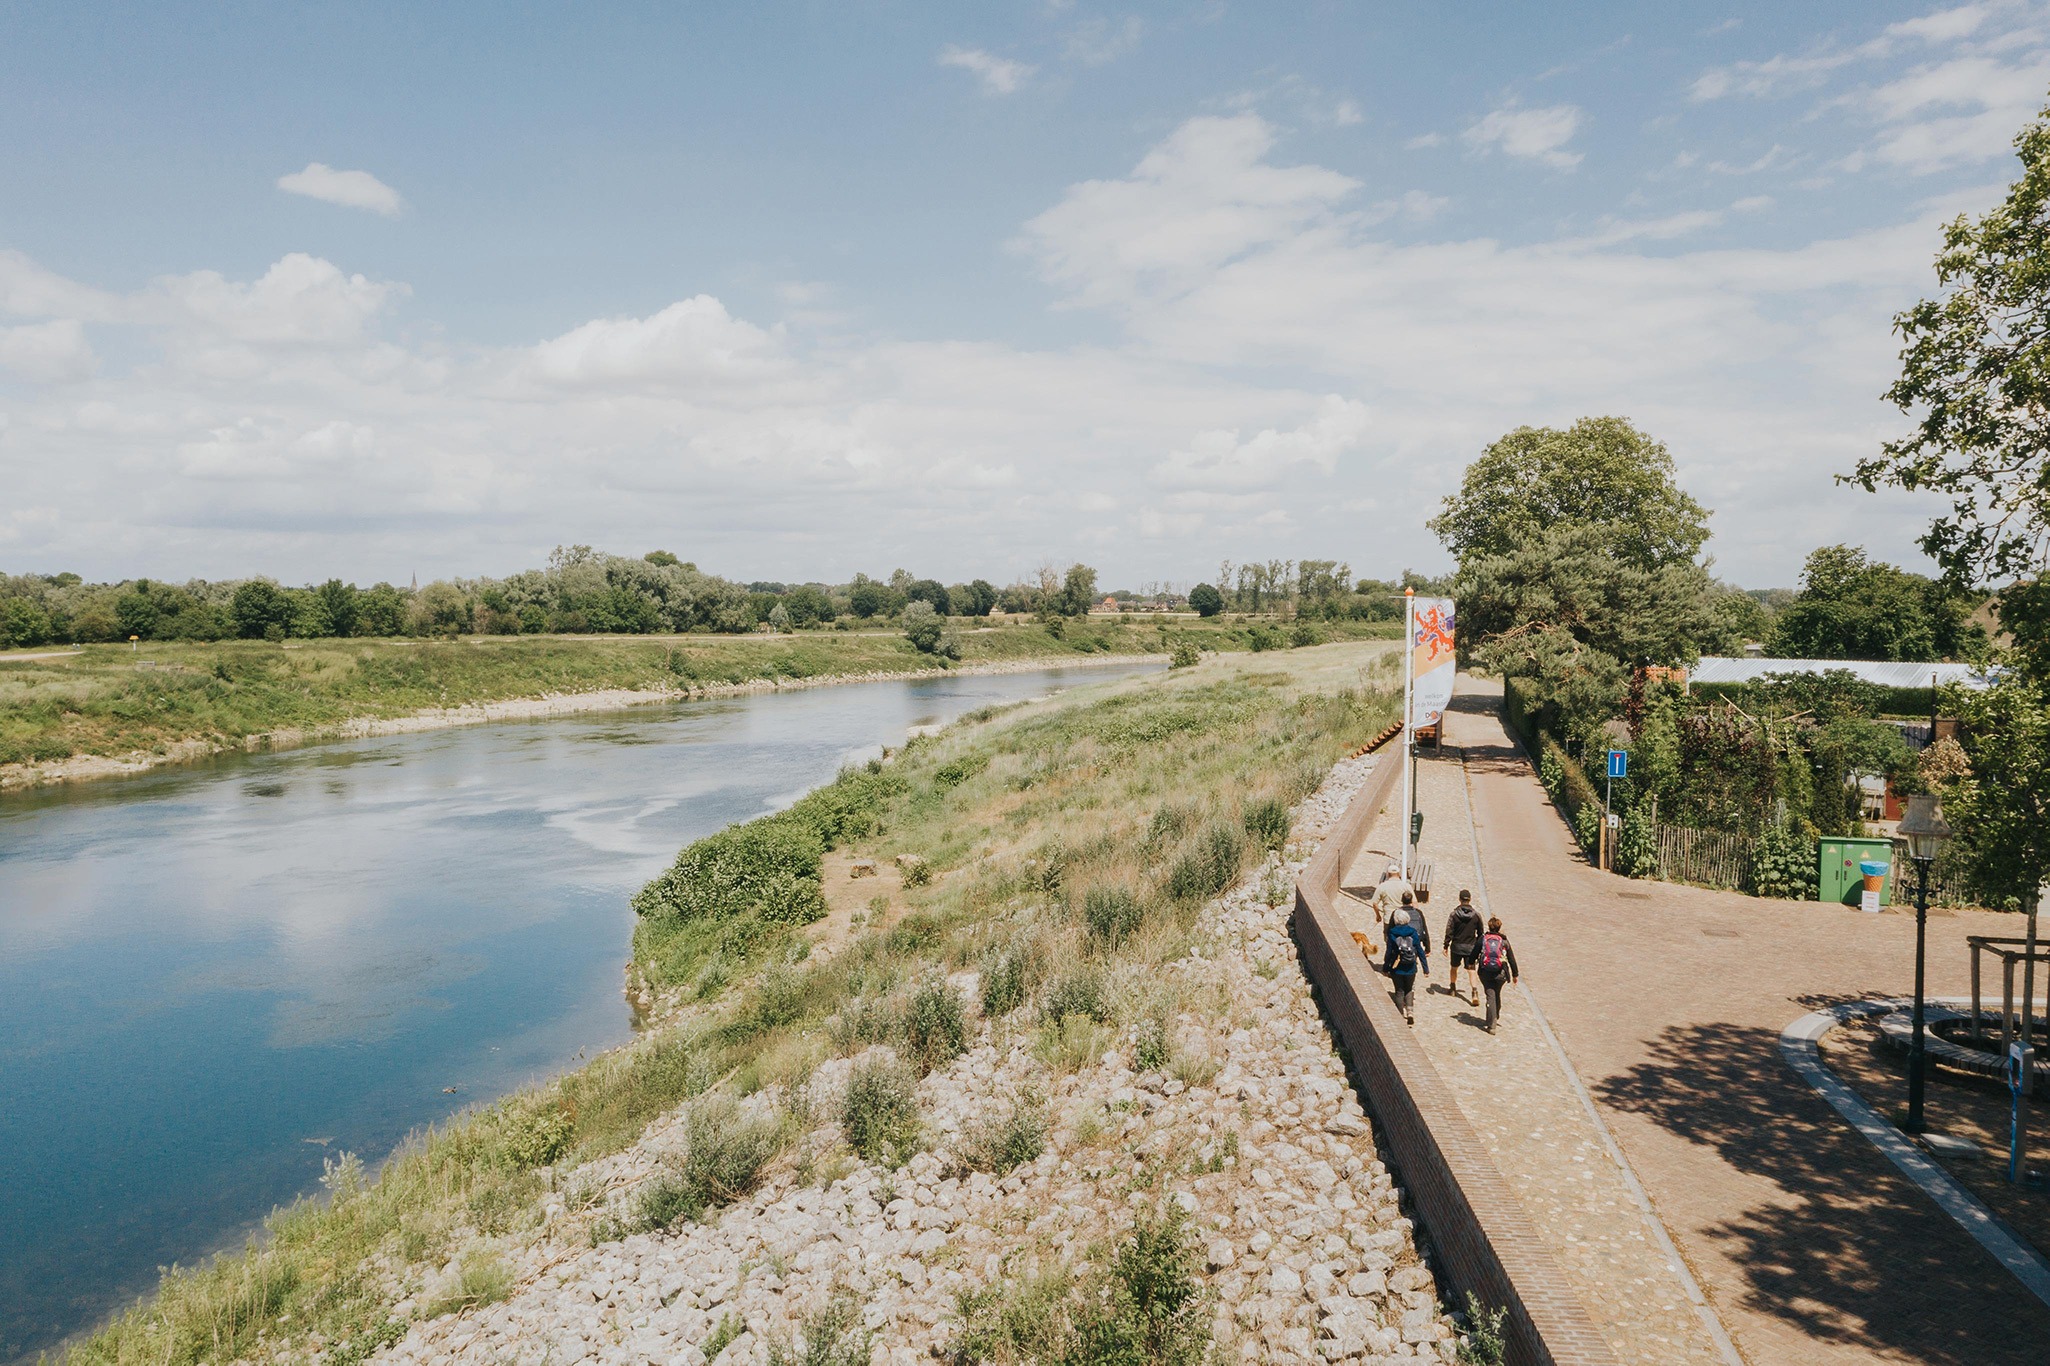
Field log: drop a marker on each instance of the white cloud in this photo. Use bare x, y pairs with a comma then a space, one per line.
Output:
686, 343
1097, 41
1221, 460
999, 75
54, 352
350, 189
1273, 353
1424, 140
1193, 203
1533, 134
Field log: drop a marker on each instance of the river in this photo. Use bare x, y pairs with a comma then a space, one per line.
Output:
214, 976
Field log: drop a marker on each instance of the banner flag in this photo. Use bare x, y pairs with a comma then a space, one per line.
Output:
1433, 660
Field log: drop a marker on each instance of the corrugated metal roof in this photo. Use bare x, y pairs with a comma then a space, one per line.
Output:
1715, 669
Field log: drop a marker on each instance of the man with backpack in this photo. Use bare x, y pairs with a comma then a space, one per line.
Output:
1463, 930
1407, 952
1496, 965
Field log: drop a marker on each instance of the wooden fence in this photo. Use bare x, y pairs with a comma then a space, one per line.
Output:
1709, 858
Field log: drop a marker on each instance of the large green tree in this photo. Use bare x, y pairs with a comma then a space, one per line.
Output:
1577, 560
1850, 607
1600, 472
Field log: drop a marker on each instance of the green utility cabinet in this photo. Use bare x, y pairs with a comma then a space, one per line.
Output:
1837, 873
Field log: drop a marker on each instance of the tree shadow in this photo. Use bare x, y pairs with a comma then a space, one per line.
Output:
1847, 1251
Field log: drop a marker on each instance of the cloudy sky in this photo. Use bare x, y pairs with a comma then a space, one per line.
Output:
801, 289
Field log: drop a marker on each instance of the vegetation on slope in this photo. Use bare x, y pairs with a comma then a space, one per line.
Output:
109, 699
1032, 821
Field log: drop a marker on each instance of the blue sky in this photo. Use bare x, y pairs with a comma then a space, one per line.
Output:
797, 290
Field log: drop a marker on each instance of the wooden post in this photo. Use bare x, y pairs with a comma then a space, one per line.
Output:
1978, 1035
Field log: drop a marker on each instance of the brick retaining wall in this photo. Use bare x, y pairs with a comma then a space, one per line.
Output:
1483, 1240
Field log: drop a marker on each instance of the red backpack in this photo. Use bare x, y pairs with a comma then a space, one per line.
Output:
1494, 951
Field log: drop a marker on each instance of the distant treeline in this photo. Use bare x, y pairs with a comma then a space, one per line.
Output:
587, 591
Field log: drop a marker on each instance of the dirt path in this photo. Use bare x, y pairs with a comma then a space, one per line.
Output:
1669, 1001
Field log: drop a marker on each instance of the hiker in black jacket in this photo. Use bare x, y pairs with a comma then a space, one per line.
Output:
1497, 965
1463, 930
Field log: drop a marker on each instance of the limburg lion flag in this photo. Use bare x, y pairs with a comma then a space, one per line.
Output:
1432, 663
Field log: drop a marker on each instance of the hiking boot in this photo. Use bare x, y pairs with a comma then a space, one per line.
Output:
1409, 1017
1473, 997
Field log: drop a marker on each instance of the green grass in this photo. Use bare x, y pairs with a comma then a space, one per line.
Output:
111, 700
1104, 787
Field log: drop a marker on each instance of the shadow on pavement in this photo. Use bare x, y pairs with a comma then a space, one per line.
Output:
1848, 1251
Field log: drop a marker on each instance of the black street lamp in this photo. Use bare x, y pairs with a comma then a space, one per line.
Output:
1924, 829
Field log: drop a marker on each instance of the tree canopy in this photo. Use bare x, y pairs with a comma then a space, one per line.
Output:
1600, 472
1850, 607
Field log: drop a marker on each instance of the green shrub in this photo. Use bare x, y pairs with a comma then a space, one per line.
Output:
1551, 771
1303, 634
935, 1030
1010, 1140
1170, 822
1267, 822
1150, 1051
536, 1137
1079, 993
1208, 866
1184, 654
917, 872
777, 999
880, 1114
832, 1337
1637, 848
726, 1154
1783, 865
1587, 828
1008, 977
1483, 1344
1149, 1308
482, 1278
1112, 914
736, 870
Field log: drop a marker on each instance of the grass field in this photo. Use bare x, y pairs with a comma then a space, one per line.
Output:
1067, 846
114, 700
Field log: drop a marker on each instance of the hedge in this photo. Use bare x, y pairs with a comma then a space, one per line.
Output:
1901, 702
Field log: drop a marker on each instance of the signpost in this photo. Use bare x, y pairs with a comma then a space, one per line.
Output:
1619, 767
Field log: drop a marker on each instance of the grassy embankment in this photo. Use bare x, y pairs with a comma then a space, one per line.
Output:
111, 700
1067, 847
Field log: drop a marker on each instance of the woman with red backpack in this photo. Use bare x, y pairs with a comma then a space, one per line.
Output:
1497, 965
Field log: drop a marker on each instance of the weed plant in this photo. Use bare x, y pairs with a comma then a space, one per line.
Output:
880, 1114
1011, 1139
935, 1028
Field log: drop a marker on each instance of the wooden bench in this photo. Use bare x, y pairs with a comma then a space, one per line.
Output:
1420, 880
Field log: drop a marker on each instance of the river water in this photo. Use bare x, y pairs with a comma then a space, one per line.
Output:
213, 977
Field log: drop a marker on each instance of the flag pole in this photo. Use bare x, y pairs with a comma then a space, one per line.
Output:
1408, 720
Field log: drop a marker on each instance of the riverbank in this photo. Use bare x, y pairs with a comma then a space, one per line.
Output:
109, 711
1046, 1018
88, 767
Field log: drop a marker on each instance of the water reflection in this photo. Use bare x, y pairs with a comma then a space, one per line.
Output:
211, 977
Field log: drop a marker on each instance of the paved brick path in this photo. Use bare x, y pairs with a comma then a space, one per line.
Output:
1519, 1100
1669, 1001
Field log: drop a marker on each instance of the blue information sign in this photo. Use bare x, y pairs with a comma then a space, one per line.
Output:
1619, 763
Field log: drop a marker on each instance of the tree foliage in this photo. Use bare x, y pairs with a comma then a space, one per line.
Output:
1207, 601
1975, 369
1850, 607
1601, 472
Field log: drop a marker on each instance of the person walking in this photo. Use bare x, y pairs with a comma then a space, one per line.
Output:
1407, 953
1496, 965
1463, 931
1394, 891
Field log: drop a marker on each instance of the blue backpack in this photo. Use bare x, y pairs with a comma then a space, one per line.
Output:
1405, 943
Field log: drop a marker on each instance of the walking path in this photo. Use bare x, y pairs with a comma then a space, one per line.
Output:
1527, 1110
1669, 1001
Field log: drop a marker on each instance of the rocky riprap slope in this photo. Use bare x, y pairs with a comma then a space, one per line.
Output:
1308, 1256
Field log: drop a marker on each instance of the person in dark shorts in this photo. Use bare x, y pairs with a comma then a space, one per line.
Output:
1463, 931
1407, 952
1497, 964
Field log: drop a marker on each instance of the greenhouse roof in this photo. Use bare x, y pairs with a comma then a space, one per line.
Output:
1714, 669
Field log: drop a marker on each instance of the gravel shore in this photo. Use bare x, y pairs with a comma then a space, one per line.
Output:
1306, 1253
